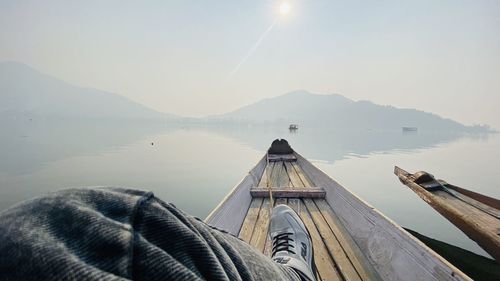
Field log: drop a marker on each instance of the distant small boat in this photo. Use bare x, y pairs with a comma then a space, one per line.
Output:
410, 129
293, 127
477, 215
351, 239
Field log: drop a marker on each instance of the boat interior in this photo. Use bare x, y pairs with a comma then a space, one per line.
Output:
351, 239
336, 256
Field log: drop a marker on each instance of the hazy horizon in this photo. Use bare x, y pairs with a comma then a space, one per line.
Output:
199, 59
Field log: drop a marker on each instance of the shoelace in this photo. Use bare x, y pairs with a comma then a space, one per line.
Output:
281, 242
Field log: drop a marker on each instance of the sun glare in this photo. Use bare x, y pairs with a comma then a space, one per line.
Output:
284, 8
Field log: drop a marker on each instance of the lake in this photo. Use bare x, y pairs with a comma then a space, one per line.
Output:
195, 166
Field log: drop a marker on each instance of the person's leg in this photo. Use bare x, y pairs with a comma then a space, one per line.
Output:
111, 234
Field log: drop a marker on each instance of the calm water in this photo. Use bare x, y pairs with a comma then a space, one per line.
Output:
195, 167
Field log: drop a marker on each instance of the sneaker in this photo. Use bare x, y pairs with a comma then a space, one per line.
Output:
292, 244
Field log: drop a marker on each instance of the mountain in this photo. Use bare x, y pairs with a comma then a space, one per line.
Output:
25, 91
336, 111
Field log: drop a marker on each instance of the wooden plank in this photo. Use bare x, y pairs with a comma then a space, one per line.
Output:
288, 193
438, 185
495, 203
292, 174
322, 259
284, 178
259, 235
265, 176
273, 180
328, 237
484, 213
281, 178
248, 226
305, 181
335, 246
349, 246
476, 204
281, 157
337, 253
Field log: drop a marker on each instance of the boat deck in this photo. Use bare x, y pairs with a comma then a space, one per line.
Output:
336, 255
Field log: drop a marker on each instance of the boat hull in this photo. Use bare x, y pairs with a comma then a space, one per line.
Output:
389, 251
467, 210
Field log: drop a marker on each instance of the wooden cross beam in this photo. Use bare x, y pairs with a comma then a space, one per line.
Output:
259, 192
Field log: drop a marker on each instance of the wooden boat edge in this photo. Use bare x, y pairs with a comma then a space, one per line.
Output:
469, 228
251, 179
490, 201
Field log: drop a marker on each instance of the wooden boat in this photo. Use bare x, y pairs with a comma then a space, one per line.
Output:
351, 239
477, 215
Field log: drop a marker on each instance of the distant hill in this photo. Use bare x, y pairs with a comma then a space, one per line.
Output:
336, 111
26, 92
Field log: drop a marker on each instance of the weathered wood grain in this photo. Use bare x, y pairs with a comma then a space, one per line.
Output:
281, 179
305, 181
282, 157
342, 262
294, 177
492, 202
356, 257
259, 235
275, 175
478, 225
264, 179
248, 226
334, 247
288, 193
322, 258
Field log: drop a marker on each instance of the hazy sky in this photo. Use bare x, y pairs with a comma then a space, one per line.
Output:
177, 56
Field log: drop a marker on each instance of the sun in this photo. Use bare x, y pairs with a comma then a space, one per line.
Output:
284, 8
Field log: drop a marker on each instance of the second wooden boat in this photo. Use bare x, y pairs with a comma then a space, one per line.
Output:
352, 240
477, 215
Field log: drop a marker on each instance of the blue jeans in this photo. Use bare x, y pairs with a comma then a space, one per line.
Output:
118, 234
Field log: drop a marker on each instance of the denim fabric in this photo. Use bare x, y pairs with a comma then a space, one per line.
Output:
116, 234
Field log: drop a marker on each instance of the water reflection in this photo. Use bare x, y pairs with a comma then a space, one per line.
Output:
195, 166
332, 145
27, 145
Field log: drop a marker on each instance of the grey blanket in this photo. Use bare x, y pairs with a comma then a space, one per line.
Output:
114, 234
